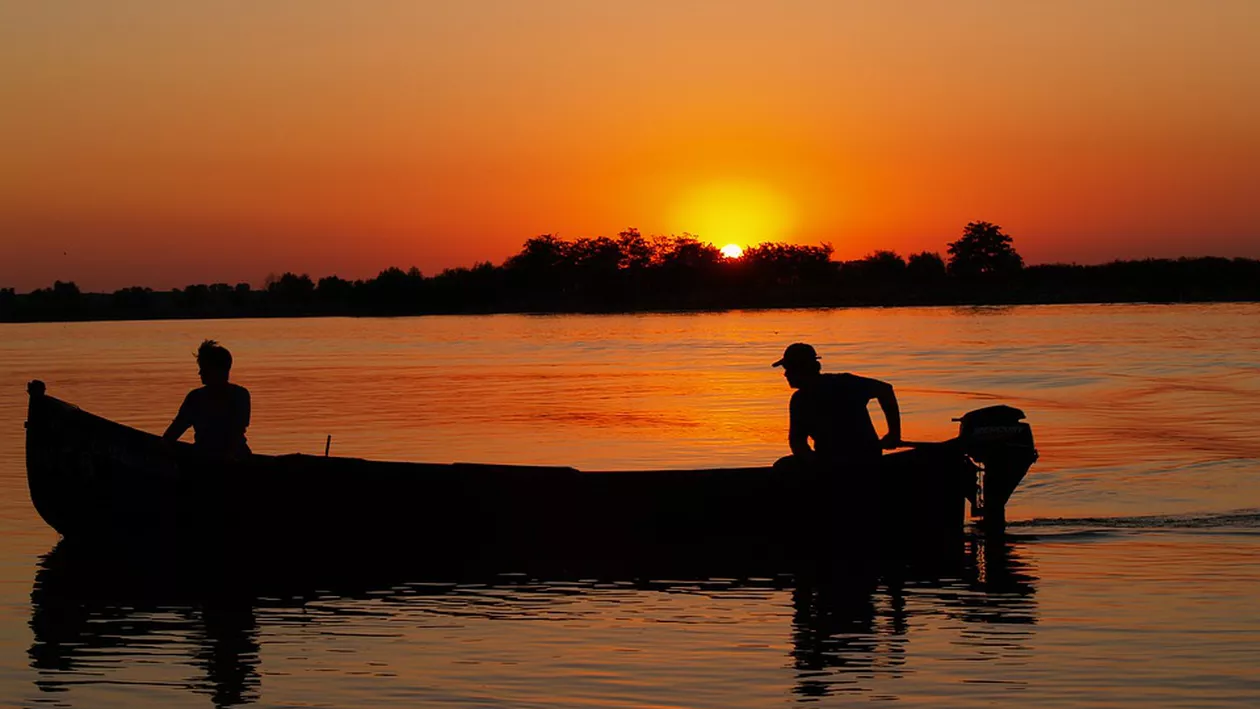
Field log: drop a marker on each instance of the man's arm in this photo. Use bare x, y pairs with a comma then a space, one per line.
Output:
887, 399
798, 439
181, 423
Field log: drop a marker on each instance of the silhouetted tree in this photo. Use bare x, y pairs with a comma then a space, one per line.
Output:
882, 264
193, 297
983, 250
879, 277
596, 265
925, 268
631, 272
292, 285
541, 253
636, 252
598, 256
476, 289
133, 301
8, 302
686, 272
292, 292
60, 302
242, 296
61, 294
333, 290
541, 272
394, 291
634, 276
780, 264
687, 251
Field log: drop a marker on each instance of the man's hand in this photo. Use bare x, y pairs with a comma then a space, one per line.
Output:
891, 441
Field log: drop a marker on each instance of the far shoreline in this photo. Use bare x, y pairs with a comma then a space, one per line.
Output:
282, 315
634, 274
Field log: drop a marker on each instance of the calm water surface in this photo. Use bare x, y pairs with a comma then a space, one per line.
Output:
1129, 577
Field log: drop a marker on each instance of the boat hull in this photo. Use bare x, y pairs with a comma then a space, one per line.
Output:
98, 481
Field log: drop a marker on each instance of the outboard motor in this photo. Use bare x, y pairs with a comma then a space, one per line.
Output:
998, 441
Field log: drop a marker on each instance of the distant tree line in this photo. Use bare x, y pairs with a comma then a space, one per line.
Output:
632, 272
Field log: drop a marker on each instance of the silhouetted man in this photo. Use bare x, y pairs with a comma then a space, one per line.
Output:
831, 410
218, 412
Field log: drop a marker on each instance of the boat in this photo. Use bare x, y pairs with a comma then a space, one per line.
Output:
98, 481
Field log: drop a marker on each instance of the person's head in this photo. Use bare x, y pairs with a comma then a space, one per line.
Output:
214, 362
800, 364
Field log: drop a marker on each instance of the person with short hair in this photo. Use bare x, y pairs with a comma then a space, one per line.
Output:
218, 411
830, 410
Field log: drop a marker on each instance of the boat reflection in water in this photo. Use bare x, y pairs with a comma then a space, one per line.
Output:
195, 627
843, 627
92, 616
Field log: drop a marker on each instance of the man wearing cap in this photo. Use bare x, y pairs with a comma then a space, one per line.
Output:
831, 410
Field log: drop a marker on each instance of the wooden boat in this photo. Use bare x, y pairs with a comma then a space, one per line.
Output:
95, 480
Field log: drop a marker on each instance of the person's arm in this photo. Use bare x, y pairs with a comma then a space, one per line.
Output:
798, 439
181, 423
245, 406
887, 399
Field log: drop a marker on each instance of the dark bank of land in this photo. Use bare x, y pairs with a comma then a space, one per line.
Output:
630, 273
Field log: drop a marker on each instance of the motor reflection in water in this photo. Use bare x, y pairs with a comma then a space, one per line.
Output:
858, 623
196, 628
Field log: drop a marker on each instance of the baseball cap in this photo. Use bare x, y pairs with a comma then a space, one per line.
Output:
797, 353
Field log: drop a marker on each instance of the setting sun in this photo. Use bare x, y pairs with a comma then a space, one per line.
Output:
732, 251
735, 213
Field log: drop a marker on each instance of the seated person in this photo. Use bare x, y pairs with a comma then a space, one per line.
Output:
218, 411
831, 410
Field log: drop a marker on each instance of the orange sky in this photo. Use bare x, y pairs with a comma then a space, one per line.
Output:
158, 143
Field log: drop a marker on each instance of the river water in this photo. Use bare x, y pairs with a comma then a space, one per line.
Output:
1129, 575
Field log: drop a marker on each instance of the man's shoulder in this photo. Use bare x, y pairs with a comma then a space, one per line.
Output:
234, 391
841, 379
849, 382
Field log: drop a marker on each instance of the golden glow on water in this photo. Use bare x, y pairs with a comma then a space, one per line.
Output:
1152, 401
1137, 410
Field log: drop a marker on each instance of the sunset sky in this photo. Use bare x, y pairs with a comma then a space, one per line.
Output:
165, 143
